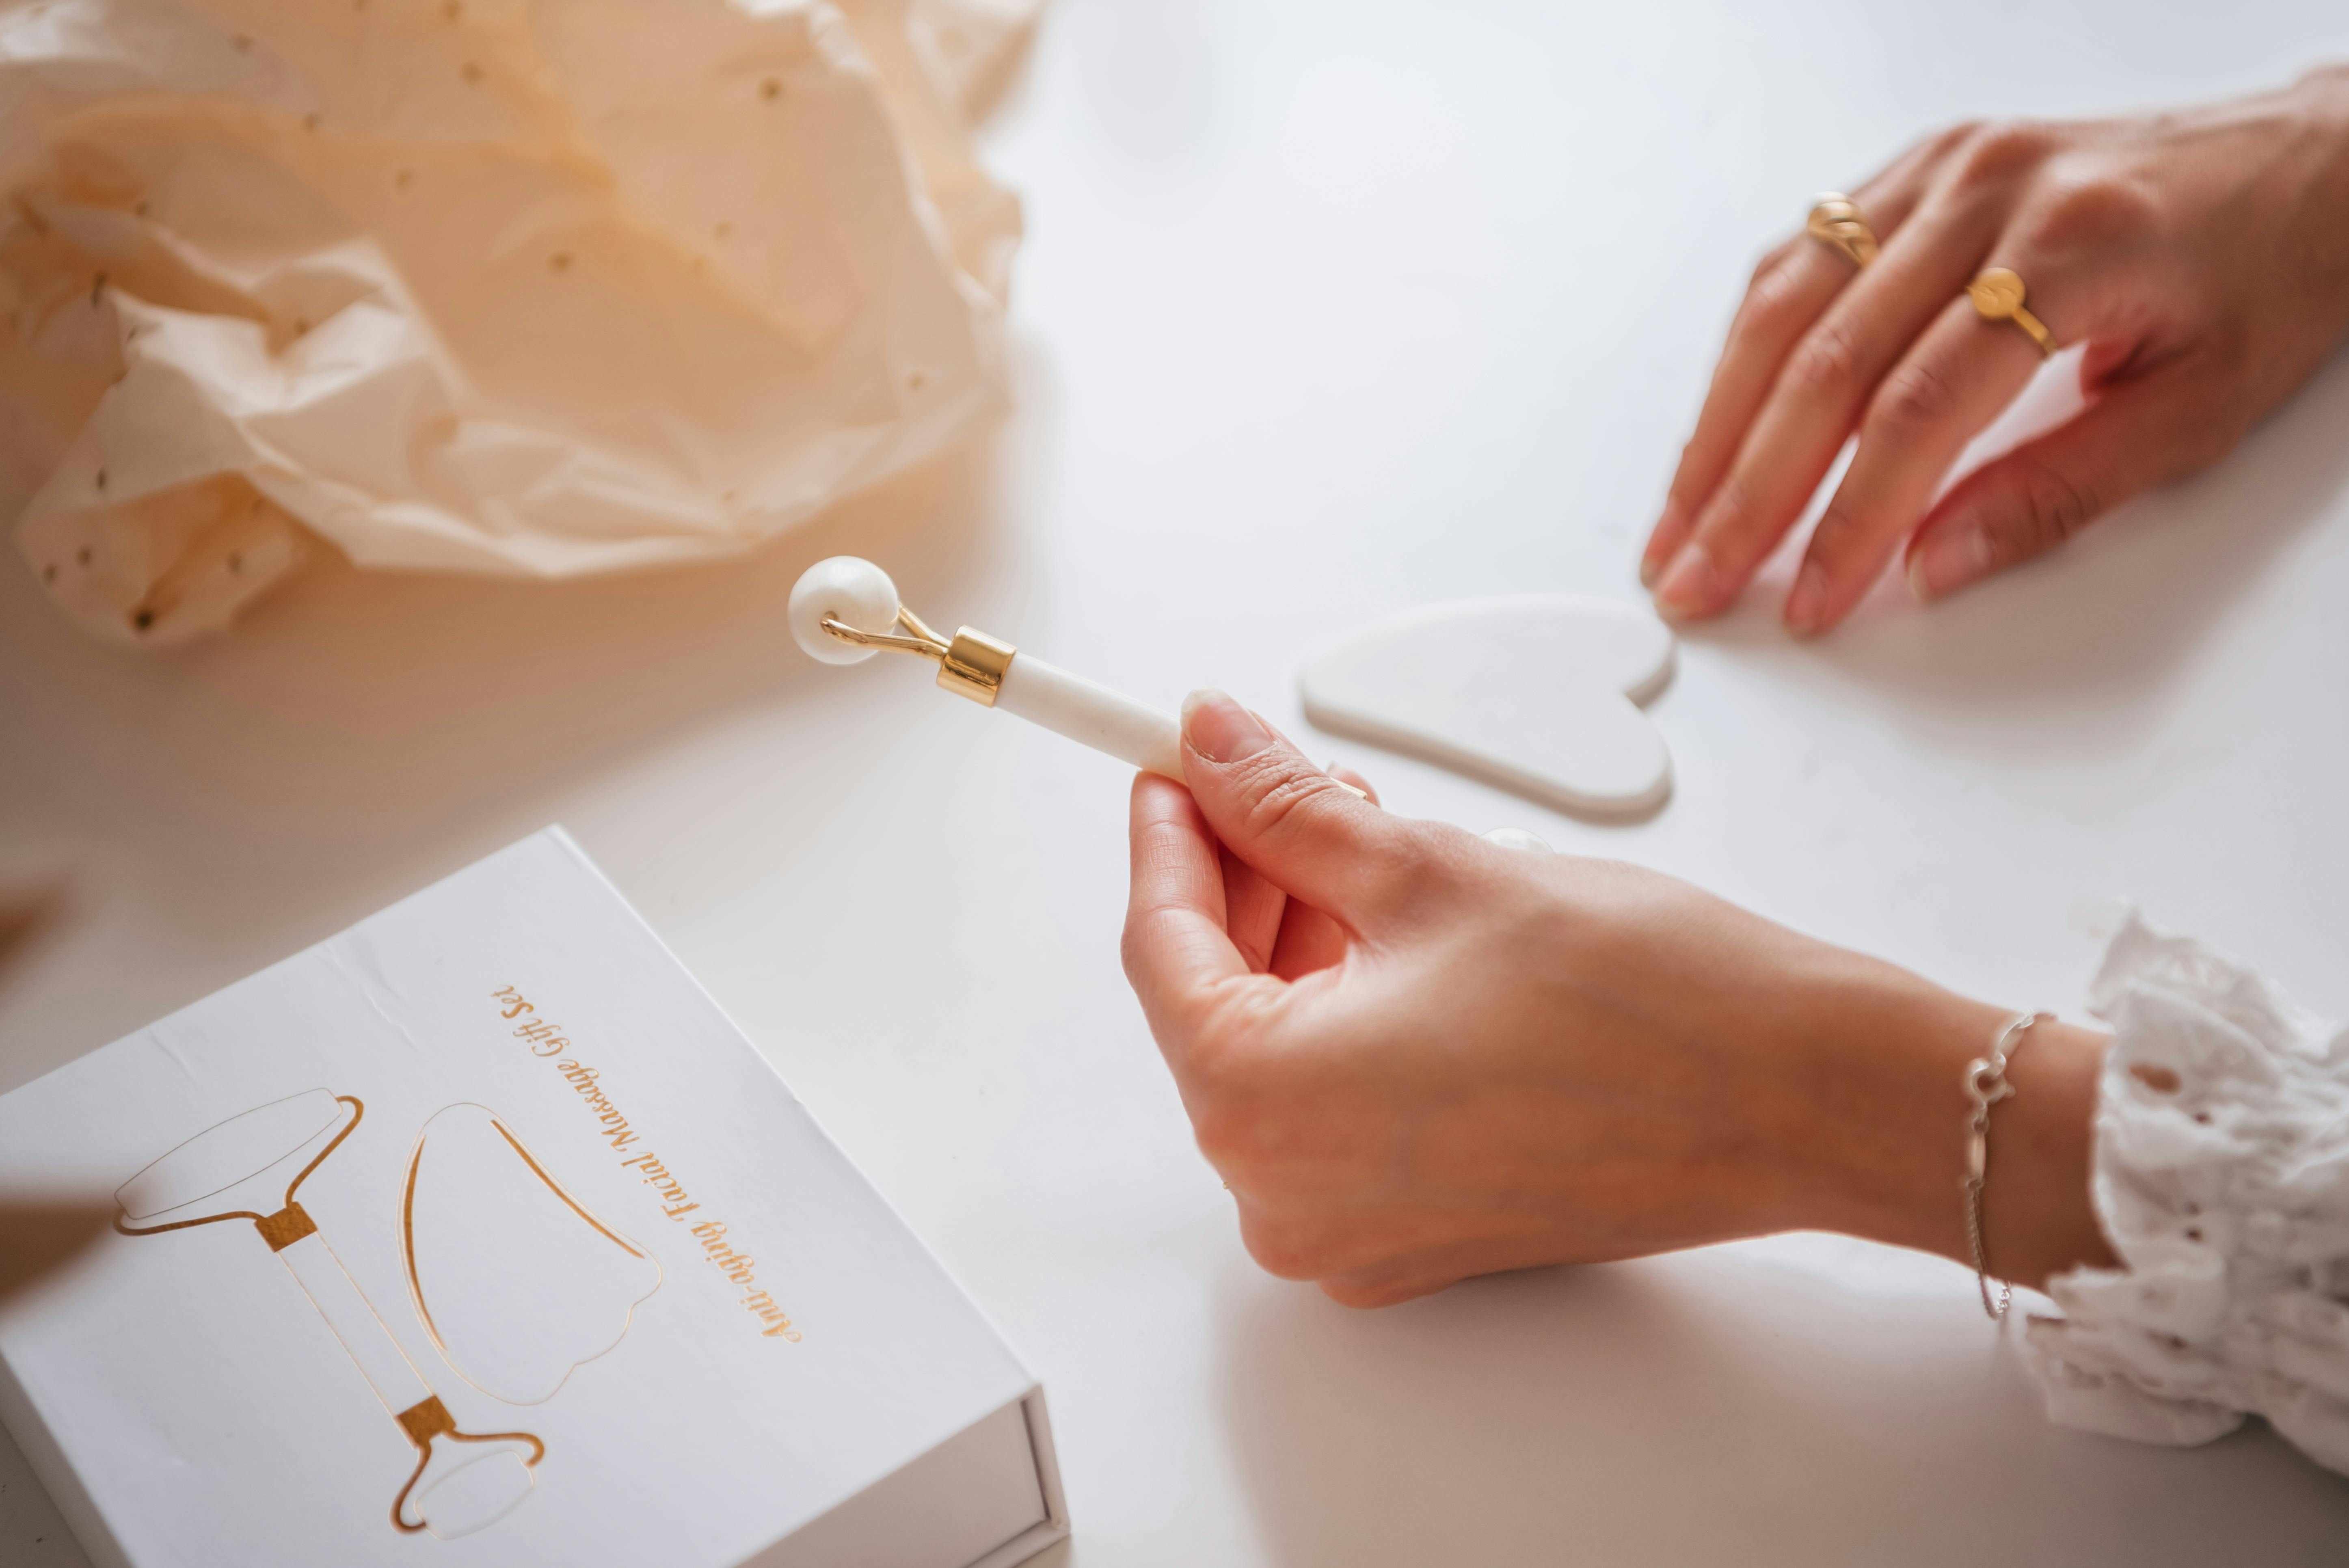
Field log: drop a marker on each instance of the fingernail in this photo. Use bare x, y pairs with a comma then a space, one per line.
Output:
1808, 601
1955, 555
1687, 586
1220, 729
1667, 526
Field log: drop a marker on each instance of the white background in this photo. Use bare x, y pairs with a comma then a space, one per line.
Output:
1329, 308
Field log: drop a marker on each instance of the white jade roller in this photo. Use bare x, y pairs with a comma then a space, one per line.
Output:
845, 609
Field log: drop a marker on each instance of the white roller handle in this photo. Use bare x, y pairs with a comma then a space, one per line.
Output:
1092, 715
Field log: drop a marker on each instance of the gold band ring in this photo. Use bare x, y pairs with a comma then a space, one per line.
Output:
1834, 220
1997, 293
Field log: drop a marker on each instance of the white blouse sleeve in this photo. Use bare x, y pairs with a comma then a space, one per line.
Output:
2222, 1182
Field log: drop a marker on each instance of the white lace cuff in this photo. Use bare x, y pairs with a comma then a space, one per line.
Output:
2222, 1180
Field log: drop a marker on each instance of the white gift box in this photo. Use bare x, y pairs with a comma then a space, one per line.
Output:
479, 1235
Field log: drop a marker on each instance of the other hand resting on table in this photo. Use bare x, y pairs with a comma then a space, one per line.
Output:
2202, 256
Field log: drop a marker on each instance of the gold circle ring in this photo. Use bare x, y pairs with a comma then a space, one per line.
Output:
1997, 293
1836, 221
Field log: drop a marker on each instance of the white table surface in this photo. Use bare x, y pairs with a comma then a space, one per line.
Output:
1330, 308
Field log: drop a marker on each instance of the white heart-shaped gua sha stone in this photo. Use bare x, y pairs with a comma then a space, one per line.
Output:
1538, 693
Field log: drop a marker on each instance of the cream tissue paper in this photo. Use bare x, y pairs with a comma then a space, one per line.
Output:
539, 287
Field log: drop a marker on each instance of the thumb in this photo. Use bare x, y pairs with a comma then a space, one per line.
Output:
1309, 834
2026, 503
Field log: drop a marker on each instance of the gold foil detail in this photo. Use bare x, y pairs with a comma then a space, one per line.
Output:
974, 666
285, 1227
426, 1421
416, 1281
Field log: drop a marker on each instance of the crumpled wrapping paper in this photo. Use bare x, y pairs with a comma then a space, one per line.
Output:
539, 287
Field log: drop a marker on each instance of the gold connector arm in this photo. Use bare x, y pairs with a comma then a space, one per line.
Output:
925, 643
914, 624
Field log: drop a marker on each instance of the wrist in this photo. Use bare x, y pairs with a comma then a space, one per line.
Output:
2038, 1207
1887, 1158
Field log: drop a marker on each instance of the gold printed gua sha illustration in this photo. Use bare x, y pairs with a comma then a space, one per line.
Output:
249, 1168
516, 1282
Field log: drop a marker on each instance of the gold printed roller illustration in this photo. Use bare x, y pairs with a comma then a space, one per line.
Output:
249, 1168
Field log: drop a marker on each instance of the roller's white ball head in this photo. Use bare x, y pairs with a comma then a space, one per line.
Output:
852, 591
1518, 839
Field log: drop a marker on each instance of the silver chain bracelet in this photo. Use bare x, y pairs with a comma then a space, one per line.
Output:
1986, 1085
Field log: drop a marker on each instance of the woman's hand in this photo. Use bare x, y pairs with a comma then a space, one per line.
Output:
1416, 1055
2203, 257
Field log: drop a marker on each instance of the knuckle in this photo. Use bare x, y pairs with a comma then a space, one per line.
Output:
1732, 509
1766, 270
1408, 866
1916, 397
1998, 152
1835, 526
1436, 855
1290, 800
2055, 505
1732, 520
1771, 303
1282, 796
1825, 364
2095, 215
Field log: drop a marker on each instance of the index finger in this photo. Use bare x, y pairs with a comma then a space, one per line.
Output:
1794, 284
1793, 287
1178, 951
